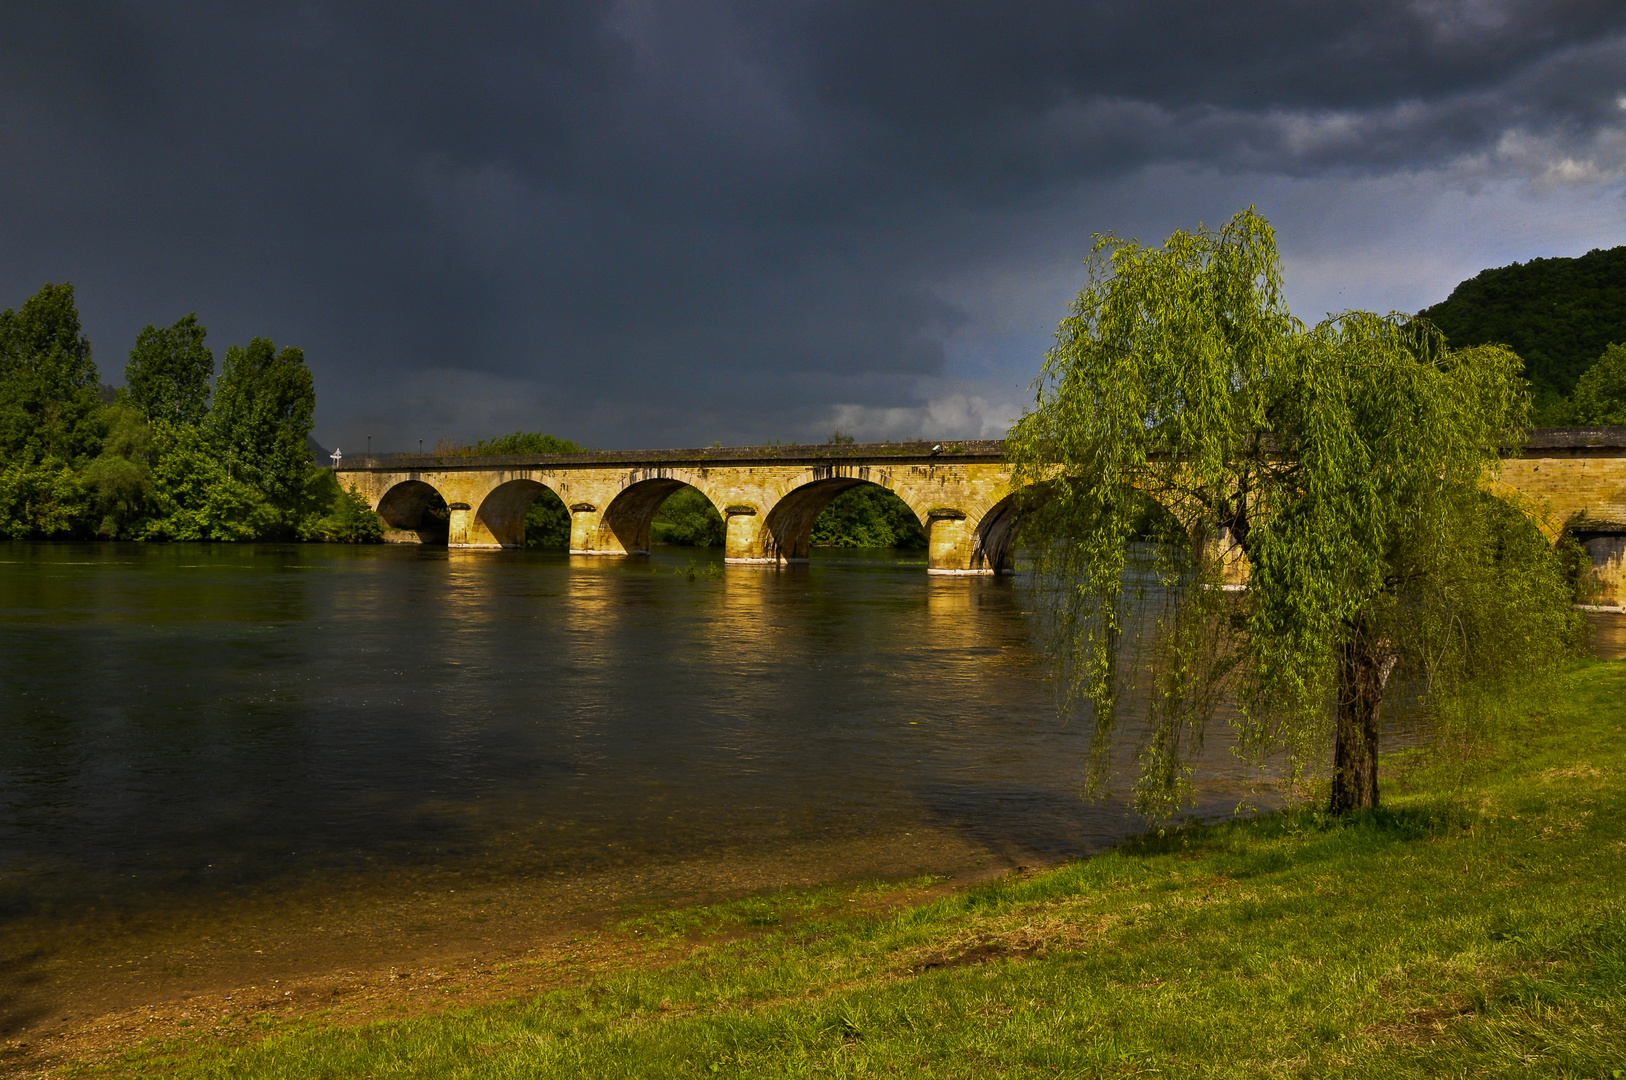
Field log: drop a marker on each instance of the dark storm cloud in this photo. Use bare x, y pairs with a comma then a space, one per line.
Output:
646, 224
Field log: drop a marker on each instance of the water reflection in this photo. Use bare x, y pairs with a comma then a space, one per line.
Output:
180, 717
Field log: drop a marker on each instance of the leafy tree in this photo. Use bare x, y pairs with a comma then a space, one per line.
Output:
49, 388
343, 516
43, 499
169, 371
1600, 394
1334, 469
120, 478
265, 402
868, 516
525, 442
688, 519
1557, 314
194, 496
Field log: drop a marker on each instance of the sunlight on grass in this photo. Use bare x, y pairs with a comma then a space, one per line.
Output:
1474, 926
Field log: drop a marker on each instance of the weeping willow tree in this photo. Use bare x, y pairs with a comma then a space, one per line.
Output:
1322, 518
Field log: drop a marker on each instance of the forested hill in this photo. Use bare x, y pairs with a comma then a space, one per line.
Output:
1557, 314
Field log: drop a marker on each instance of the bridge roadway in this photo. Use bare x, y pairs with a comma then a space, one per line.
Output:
769, 496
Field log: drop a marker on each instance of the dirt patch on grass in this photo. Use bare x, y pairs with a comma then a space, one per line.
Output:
241, 976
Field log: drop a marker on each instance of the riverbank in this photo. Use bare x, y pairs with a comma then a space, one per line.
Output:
1474, 926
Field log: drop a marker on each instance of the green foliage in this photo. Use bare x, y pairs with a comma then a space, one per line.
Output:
42, 499
194, 496
264, 406
547, 523
1341, 462
337, 515
49, 388
688, 519
156, 463
1557, 314
121, 476
868, 516
1600, 393
525, 442
169, 371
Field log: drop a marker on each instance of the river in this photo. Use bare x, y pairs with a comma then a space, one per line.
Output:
217, 760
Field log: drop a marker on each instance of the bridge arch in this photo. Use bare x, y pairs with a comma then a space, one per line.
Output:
788, 524
499, 520
413, 511
623, 526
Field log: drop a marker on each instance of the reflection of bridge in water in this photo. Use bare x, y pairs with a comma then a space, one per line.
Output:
769, 496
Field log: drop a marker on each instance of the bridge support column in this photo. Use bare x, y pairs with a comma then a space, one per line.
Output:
587, 533
744, 540
467, 531
950, 544
1608, 554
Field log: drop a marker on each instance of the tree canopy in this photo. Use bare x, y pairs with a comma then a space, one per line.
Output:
153, 463
1600, 393
169, 371
1324, 518
1557, 314
49, 389
265, 405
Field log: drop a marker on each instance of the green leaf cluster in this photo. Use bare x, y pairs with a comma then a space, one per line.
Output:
1600, 393
688, 519
1557, 314
1325, 517
157, 462
868, 516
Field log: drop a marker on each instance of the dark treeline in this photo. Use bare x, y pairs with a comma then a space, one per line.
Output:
178, 454
1565, 318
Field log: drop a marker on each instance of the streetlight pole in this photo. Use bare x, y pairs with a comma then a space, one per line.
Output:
369, 451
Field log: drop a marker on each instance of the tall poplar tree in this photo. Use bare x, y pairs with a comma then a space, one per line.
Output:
169, 371
264, 407
49, 388
1322, 522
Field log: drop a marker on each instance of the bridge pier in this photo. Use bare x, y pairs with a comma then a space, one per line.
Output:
743, 539
1606, 547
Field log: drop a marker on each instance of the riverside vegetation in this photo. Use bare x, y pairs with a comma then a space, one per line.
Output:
159, 460
1472, 926
180, 455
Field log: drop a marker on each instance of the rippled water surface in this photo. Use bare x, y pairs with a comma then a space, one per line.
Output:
177, 715
217, 757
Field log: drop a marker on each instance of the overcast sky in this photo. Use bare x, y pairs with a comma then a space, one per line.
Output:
639, 224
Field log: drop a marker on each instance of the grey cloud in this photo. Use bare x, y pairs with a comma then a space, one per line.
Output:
636, 222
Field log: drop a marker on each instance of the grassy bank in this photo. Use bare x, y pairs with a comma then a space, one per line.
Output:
1476, 926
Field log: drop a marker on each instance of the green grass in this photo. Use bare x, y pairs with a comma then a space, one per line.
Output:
1475, 926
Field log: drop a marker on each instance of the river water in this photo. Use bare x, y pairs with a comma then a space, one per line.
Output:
226, 743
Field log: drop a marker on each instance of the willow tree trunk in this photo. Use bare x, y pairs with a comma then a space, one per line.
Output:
1364, 665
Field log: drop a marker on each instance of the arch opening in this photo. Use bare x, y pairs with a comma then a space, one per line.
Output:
790, 523
868, 515
630, 517
414, 512
525, 514
686, 518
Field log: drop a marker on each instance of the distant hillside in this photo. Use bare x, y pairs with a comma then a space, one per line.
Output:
1558, 314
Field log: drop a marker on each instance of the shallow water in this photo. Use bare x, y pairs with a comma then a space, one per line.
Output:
218, 745
188, 714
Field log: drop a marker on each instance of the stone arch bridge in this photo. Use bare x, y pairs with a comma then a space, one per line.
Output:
961, 491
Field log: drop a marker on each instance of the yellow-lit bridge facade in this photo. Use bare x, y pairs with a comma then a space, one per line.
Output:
961, 492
